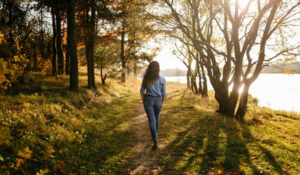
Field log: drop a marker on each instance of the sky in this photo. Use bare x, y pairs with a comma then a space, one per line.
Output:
167, 60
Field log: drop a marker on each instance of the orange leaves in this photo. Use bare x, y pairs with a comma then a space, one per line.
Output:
116, 5
64, 40
112, 33
220, 172
187, 173
176, 145
59, 164
61, 152
190, 148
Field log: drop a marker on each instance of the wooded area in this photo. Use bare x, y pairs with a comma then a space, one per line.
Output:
223, 40
228, 41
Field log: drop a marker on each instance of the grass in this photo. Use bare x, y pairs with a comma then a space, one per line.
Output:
66, 132
47, 129
200, 141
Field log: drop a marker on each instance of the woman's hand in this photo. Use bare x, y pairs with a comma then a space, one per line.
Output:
142, 96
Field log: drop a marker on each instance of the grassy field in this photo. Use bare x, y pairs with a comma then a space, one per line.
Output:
201, 141
47, 129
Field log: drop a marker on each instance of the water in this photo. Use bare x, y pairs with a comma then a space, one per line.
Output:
276, 91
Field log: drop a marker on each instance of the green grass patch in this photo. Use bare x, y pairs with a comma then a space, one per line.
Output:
47, 128
200, 141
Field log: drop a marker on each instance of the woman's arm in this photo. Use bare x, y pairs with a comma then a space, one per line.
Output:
142, 91
142, 96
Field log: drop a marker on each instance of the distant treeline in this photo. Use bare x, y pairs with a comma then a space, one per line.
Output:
283, 68
275, 68
173, 72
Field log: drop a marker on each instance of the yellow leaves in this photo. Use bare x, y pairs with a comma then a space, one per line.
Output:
25, 154
19, 162
2, 77
26, 105
2, 72
5, 136
42, 172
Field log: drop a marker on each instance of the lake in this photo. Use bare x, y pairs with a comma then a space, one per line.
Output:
276, 91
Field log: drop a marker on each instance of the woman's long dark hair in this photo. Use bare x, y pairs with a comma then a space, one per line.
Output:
151, 74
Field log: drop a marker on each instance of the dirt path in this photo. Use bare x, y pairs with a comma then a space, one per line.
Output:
146, 159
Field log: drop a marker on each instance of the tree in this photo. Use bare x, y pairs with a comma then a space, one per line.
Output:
187, 55
58, 36
230, 37
72, 45
15, 29
138, 61
135, 29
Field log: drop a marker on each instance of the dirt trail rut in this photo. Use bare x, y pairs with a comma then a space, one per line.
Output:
146, 159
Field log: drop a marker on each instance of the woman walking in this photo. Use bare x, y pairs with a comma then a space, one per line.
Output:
154, 97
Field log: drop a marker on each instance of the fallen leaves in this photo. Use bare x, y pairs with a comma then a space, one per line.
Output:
155, 169
220, 172
187, 173
19, 162
190, 148
25, 154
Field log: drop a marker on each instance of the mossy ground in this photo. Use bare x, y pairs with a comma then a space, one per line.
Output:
47, 128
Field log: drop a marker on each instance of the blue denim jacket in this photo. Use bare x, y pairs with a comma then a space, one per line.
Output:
158, 88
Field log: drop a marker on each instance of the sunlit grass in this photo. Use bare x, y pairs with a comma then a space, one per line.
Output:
68, 132
267, 142
91, 131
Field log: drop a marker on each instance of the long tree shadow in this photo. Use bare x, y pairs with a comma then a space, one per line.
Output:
237, 153
267, 153
211, 143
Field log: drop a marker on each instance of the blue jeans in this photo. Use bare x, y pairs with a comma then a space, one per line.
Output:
153, 105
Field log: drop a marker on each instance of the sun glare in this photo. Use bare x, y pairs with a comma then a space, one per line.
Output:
243, 3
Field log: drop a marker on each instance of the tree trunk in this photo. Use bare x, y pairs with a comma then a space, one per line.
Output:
60, 56
87, 45
242, 109
200, 89
67, 60
54, 72
122, 53
188, 82
90, 42
92, 46
41, 35
204, 85
72, 46
35, 57
102, 78
135, 69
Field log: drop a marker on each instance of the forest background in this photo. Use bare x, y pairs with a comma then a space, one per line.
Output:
229, 42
